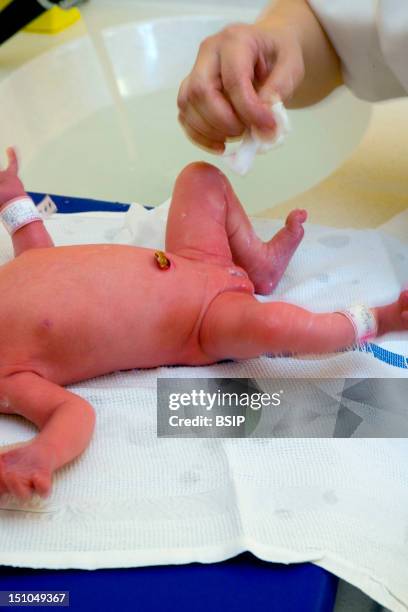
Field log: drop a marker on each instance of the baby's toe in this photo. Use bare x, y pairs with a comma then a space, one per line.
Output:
404, 318
296, 218
403, 300
18, 486
294, 223
41, 482
301, 215
403, 308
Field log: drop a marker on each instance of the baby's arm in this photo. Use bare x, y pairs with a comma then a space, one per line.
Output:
33, 234
237, 326
66, 424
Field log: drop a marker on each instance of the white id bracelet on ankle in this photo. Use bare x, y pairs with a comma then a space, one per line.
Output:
363, 320
19, 212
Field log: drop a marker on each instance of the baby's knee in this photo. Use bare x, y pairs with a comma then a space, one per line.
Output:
201, 171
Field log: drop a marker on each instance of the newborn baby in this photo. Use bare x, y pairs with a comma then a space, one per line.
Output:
72, 313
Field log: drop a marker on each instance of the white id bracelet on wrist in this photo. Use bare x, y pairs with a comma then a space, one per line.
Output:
363, 320
19, 212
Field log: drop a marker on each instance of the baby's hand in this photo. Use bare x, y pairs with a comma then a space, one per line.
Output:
10, 185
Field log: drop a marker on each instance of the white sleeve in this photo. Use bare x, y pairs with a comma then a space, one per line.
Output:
371, 39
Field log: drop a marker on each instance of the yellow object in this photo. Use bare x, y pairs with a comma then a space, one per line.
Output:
54, 20
161, 260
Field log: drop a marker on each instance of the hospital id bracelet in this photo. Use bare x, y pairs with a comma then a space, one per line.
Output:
363, 320
19, 212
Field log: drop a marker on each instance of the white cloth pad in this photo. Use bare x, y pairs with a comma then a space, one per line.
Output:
133, 499
241, 159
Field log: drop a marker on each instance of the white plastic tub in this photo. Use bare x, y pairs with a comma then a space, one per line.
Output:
97, 116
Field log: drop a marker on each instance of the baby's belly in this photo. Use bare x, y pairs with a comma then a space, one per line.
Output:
124, 313
161, 322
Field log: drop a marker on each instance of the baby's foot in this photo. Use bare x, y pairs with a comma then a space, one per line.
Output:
403, 308
294, 223
27, 470
277, 253
393, 317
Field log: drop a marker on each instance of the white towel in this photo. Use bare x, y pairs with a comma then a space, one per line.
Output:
133, 499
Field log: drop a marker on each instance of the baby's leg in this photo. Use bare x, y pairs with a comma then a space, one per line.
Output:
196, 225
30, 236
237, 326
66, 423
265, 262
207, 218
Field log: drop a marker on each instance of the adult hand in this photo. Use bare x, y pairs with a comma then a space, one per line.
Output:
236, 76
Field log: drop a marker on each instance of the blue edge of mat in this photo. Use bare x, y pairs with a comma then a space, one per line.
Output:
235, 585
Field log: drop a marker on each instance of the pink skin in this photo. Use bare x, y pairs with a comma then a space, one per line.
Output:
72, 313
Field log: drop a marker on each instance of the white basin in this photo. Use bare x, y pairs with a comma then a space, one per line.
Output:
97, 117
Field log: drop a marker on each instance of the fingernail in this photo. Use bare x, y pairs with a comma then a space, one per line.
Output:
219, 149
269, 123
267, 133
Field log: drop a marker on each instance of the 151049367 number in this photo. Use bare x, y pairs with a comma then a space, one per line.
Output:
34, 598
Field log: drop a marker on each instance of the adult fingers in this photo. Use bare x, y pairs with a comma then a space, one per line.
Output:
201, 140
201, 92
239, 58
194, 120
217, 111
206, 90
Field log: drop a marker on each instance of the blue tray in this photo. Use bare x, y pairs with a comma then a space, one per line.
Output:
242, 584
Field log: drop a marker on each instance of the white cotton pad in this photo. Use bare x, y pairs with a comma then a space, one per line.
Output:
241, 159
